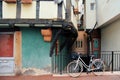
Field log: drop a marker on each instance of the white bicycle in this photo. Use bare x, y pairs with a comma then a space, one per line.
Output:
75, 67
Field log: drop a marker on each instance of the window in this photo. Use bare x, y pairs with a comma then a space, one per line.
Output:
92, 6
79, 44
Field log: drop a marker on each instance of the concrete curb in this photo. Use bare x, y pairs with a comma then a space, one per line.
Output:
89, 74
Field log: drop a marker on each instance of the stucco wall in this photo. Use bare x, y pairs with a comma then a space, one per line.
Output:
110, 37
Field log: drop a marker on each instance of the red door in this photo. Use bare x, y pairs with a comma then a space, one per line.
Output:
6, 45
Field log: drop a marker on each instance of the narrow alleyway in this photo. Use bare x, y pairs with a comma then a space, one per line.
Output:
51, 77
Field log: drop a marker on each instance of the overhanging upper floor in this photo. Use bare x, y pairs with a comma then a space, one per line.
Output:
31, 23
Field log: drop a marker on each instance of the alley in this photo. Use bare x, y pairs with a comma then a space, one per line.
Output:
51, 77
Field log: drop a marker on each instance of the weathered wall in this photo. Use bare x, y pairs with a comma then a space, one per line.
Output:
35, 52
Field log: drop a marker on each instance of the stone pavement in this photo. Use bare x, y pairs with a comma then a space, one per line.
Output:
107, 76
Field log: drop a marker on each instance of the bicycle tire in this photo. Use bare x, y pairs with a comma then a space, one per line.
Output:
70, 69
100, 67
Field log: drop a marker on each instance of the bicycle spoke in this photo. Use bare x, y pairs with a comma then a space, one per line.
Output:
74, 69
98, 67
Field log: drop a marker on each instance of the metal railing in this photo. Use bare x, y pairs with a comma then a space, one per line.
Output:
111, 59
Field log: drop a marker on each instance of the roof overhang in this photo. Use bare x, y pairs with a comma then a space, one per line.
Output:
117, 17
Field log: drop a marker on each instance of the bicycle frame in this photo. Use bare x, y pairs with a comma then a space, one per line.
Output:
83, 63
88, 67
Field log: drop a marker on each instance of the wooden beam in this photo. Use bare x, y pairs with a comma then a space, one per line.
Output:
60, 11
0, 9
37, 9
30, 21
18, 9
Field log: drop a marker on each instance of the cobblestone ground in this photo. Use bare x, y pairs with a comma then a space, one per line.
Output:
50, 77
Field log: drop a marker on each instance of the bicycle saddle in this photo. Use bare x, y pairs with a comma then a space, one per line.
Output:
91, 55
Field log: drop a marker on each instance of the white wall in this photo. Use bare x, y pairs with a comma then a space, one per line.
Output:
110, 37
48, 9
106, 10
73, 18
90, 14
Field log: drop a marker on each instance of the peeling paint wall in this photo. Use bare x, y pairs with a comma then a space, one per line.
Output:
35, 52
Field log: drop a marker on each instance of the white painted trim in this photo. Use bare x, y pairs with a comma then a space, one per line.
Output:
7, 58
7, 33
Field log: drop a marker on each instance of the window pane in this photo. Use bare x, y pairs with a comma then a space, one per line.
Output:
92, 6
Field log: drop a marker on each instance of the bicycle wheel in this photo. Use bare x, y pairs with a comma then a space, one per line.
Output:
98, 67
74, 69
